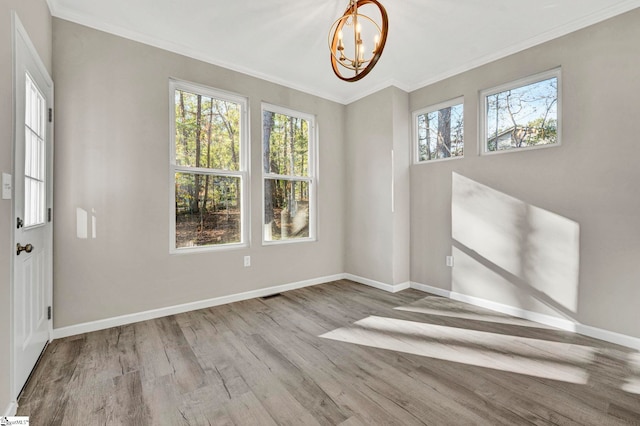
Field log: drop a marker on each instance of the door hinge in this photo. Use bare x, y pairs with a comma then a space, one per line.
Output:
49, 214
50, 115
19, 223
48, 312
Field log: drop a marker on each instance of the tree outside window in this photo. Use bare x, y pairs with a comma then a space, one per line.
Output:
440, 131
208, 167
523, 114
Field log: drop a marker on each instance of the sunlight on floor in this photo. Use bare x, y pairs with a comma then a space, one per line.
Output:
532, 357
497, 319
632, 384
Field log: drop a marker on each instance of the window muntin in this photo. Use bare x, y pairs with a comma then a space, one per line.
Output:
209, 168
439, 131
288, 152
522, 115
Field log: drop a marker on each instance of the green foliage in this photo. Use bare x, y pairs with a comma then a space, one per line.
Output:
545, 132
288, 146
212, 131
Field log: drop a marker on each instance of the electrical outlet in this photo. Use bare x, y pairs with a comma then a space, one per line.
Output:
247, 261
450, 261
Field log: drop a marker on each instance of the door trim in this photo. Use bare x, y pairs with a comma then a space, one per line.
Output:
19, 35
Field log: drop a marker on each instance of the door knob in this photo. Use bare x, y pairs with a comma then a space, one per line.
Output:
26, 248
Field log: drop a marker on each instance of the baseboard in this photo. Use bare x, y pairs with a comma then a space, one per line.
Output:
391, 288
561, 323
609, 336
433, 290
11, 409
103, 324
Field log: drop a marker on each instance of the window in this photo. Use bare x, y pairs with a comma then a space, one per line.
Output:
35, 155
439, 131
209, 168
288, 155
522, 115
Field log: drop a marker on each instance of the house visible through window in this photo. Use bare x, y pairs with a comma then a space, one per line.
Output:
439, 131
523, 114
288, 175
208, 167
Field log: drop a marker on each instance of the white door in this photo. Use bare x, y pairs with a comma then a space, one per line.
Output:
33, 150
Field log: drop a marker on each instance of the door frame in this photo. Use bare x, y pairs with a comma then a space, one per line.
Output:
20, 36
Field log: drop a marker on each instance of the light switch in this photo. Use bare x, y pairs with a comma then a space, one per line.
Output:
6, 186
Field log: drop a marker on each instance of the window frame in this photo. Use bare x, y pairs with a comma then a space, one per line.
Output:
516, 84
311, 178
433, 108
243, 173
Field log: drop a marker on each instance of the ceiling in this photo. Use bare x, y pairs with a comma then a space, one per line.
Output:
285, 41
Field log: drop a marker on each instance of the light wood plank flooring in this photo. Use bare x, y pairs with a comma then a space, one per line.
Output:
334, 354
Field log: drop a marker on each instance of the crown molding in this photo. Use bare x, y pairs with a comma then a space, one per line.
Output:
89, 21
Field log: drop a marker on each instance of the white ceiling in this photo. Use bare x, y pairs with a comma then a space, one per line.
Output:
285, 41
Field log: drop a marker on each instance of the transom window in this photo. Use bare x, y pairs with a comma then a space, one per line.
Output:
209, 168
439, 131
288, 148
521, 115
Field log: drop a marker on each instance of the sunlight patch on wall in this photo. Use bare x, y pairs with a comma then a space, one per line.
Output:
500, 238
532, 357
84, 228
471, 277
81, 223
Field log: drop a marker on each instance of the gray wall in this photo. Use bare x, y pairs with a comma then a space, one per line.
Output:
368, 237
554, 230
36, 19
401, 187
112, 158
377, 236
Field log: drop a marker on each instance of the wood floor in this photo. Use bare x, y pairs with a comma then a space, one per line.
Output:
334, 354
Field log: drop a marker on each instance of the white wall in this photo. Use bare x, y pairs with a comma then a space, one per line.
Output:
112, 156
555, 230
36, 19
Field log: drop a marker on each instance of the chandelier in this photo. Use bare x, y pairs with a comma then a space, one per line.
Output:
349, 53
